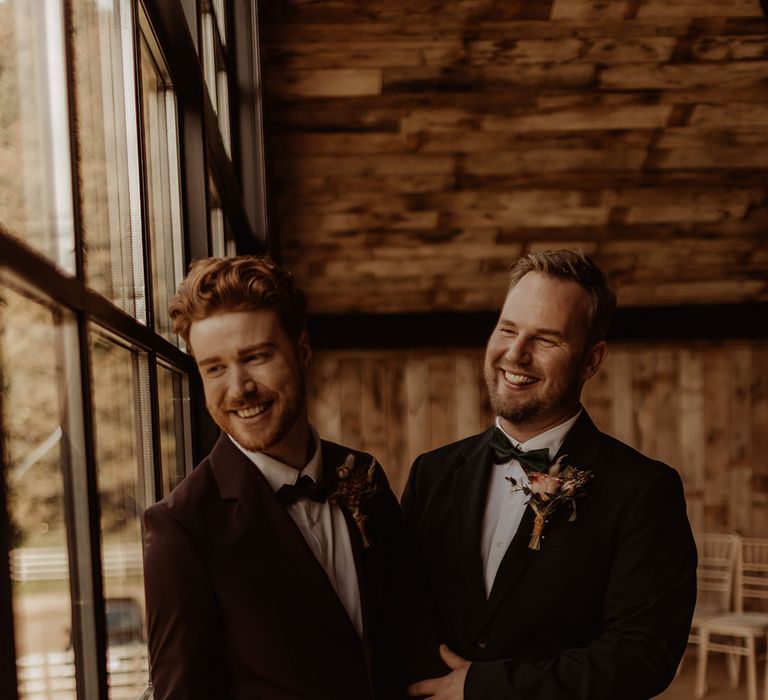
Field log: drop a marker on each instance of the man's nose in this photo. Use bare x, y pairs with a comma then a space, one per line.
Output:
241, 383
518, 352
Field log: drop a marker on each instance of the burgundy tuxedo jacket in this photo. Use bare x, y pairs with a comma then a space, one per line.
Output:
238, 606
601, 612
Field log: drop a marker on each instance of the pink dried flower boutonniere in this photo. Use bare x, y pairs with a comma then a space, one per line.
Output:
562, 484
353, 485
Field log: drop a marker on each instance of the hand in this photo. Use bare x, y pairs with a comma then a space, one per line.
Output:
449, 687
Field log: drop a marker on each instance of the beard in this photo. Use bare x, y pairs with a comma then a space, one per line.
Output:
523, 410
284, 410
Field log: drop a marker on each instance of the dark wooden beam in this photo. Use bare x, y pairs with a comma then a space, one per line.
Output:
668, 324
680, 324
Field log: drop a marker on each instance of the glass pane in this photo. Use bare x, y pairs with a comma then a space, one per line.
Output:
218, 239
34, 426
164, 215
124, 471
222, 85
221, 237
109, 167
35, 179
215, 71
175, 442
209, 57
219, 10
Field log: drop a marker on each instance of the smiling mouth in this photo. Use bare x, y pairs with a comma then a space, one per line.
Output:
516, 379
252, 411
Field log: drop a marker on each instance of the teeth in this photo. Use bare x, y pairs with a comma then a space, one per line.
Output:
513, 378
251, 412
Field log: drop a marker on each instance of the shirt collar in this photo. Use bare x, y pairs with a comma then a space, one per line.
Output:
551, 439
277, 473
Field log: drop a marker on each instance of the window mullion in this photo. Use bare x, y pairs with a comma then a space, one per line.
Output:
81, 489
8, 687
89, 636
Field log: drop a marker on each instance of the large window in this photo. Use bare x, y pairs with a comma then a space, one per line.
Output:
35, 176
106, 144
37, 442
122, 422
161, 148
109, 158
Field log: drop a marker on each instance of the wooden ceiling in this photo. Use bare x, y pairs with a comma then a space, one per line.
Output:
416, 148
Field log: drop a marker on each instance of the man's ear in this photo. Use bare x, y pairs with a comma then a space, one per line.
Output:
595, 358
304, 349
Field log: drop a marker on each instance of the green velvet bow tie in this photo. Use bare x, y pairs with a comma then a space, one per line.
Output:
504, 451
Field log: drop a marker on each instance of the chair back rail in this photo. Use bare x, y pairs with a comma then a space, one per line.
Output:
718, 555
752, 572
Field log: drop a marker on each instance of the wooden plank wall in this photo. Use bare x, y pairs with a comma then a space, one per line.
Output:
419, 147
702, 409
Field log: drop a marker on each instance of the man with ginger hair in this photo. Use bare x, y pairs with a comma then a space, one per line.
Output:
274, 570
560, 560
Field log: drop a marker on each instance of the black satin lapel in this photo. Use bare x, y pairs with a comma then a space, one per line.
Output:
516, 559
361, 556
239, 479
580, 446
270, 522
333, 456
580, 449
470, 489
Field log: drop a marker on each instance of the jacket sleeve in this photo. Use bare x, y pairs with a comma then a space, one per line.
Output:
647, 613
181, 619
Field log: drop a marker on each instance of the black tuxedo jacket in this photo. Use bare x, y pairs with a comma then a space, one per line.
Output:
238, 607
601, 612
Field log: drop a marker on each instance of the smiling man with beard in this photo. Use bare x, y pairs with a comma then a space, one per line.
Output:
275, 569
538, 600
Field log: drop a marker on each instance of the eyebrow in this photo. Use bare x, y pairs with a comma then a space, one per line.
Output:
539, 331
244, 351
209, 360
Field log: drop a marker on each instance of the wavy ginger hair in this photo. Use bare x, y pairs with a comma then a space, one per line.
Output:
242, 283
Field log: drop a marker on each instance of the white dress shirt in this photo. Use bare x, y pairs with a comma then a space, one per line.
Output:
504, 508
322, 525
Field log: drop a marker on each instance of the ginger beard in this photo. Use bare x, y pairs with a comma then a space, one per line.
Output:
276, 414
253, 374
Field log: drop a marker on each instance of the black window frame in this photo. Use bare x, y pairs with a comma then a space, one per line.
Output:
243, 198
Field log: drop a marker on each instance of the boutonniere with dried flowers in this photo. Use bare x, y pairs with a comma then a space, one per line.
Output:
561, 485
353, 485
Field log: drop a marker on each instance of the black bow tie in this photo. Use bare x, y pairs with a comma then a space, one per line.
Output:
305, 487
504, 451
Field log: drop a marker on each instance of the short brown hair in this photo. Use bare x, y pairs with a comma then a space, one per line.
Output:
243, 283
579, 268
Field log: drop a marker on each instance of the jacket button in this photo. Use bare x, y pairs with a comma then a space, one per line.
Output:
481, 643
